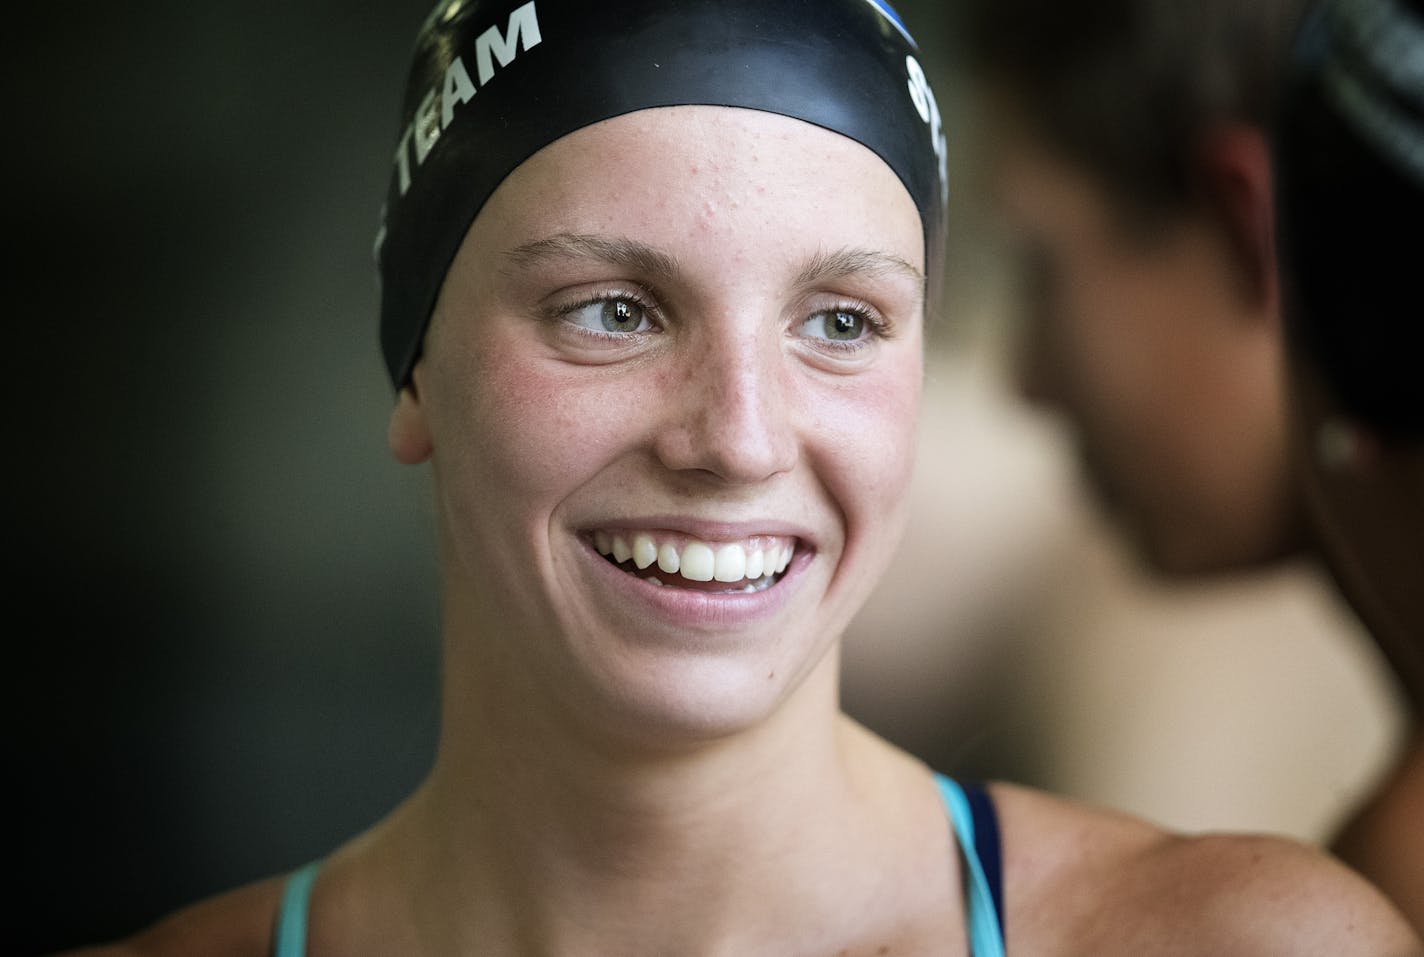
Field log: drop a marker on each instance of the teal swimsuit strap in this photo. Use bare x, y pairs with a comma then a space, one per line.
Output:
985, 937
291, 936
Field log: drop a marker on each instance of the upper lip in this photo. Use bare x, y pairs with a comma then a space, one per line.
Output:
707, 530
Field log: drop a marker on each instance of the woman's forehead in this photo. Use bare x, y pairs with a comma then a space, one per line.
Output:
669, 170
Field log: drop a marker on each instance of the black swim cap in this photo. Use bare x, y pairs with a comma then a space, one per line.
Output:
1350, 168
494, 82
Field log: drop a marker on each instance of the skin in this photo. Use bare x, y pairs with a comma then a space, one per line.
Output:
1383, 840
622, 773
1160, 343
1366, 502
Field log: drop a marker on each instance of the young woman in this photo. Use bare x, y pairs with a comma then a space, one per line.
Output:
654, 284
1351, 191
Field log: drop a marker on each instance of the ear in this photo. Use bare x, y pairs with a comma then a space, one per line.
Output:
1234, 163
409, 435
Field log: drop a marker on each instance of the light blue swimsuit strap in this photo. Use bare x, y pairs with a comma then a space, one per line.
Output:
292, 918
985, 938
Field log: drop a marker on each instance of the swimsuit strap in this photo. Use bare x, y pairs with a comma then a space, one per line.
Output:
970, 811
979, 851
291, 932
987, 844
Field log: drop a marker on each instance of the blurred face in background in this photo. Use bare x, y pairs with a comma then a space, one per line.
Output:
1163, 354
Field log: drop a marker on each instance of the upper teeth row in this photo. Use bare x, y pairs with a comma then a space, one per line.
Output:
696, 561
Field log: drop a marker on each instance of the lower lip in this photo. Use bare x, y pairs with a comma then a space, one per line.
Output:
699, 609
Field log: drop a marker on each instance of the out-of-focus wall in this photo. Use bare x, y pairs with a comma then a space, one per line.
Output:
221, 590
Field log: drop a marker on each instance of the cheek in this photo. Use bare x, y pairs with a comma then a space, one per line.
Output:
526, 430
1082, 315
1116, 341
867, 433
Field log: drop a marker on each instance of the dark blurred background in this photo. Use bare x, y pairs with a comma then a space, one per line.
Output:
220, 587
221, 590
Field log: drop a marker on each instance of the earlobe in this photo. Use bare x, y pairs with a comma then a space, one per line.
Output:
1235, 164
409, 436
1342, 445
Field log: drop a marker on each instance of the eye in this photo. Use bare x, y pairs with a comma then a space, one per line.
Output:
618, 315
840, 325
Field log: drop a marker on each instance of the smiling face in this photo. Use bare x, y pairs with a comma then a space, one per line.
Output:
669, 394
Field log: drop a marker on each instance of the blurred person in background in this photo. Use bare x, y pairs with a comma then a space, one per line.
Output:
1128, 155
1127, 141
1350, 162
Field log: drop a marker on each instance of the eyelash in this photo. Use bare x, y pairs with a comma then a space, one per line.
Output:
877, 326
639, 298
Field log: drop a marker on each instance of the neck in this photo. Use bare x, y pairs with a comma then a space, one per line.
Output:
556, 835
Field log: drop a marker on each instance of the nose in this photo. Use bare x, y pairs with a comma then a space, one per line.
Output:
728, 415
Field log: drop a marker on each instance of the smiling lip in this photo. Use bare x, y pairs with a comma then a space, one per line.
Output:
696, 573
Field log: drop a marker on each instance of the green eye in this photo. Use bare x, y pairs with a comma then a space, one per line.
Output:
620, 315
615, 315
836, 325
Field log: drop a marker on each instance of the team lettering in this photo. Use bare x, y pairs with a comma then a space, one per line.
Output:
924, 99
491, 47
436, 110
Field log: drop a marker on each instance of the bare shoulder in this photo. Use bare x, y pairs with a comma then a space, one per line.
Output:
1084, 880
238, 923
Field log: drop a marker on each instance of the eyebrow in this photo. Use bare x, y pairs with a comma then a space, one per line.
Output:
616, 250
621, 251
855, 262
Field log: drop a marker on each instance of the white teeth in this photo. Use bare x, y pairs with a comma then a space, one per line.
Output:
698, 562
668, 559
730, 564
655, 580
644, 551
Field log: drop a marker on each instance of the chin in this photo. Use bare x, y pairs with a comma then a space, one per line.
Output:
1176, 560
673, 702
1173, 553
